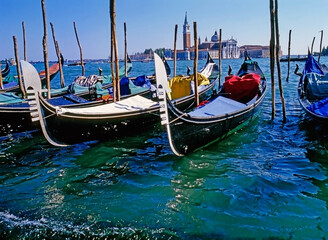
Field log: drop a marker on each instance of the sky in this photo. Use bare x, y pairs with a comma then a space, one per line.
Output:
151, 23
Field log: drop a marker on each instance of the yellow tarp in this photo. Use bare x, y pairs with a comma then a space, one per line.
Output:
180, 85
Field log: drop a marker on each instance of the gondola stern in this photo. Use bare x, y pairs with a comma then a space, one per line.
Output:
34, 90
162, 90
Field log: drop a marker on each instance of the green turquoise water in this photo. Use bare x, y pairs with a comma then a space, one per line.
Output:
267, 181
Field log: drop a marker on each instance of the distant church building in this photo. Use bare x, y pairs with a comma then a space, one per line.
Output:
186, 34
229, 47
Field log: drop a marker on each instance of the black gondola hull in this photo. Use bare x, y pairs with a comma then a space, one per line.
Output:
189, 134
213, 120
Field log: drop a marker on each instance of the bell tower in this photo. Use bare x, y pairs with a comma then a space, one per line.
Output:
186, 34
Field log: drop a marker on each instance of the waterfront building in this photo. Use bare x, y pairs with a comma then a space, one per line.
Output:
256, 51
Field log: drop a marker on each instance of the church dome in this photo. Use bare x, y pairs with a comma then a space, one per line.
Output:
215, 37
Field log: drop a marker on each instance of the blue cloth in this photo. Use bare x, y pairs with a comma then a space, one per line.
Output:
9, 85
142, 81
320, 107
124, 87
312, 66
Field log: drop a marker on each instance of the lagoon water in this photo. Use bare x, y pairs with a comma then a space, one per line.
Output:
269, 180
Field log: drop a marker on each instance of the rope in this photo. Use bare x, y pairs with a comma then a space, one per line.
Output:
182, 115
49, 116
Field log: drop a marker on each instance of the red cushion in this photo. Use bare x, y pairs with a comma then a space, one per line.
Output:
242, 88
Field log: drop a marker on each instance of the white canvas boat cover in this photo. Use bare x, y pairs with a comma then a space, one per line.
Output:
219, 106
134, 103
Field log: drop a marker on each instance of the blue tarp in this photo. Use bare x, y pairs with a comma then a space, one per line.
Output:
312, 66
142, 81
124, 87
320, 107
316, 87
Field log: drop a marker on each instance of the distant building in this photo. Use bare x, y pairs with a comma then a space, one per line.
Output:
186, 34
140, 56
256, 51
229, 47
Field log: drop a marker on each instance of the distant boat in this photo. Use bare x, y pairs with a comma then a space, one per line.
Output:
146, 60
293, 59
76, 64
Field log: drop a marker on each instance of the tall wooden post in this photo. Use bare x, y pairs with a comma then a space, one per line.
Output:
320, 45
289, 40
1, 82
281, 90
45, 47
24, 39
112, 64
125, 51
80, 47
220, 56
175, 51
62, 81
115, 49
272, 56
312, 45
21, 85
195, 64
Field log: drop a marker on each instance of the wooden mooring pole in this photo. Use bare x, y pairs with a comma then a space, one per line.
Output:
289, 41
1, 81
272, 57
195, 64
115, 47
21, 85
312, 45
125, 51
62, 81
24, 39
45, 47
175, 51
80, 47
112, 64
281, 90
220, 56
320, 46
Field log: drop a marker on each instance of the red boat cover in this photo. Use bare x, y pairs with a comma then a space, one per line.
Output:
244, 88
52, 69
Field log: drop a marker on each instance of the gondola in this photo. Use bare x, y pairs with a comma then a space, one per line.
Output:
5, 71
13, 86
313, 89
15, 112
67, 125
223, 113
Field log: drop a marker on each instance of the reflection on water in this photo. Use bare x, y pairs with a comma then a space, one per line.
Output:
268, 180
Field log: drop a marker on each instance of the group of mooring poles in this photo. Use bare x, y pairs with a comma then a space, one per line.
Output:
114, 57
274, 55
